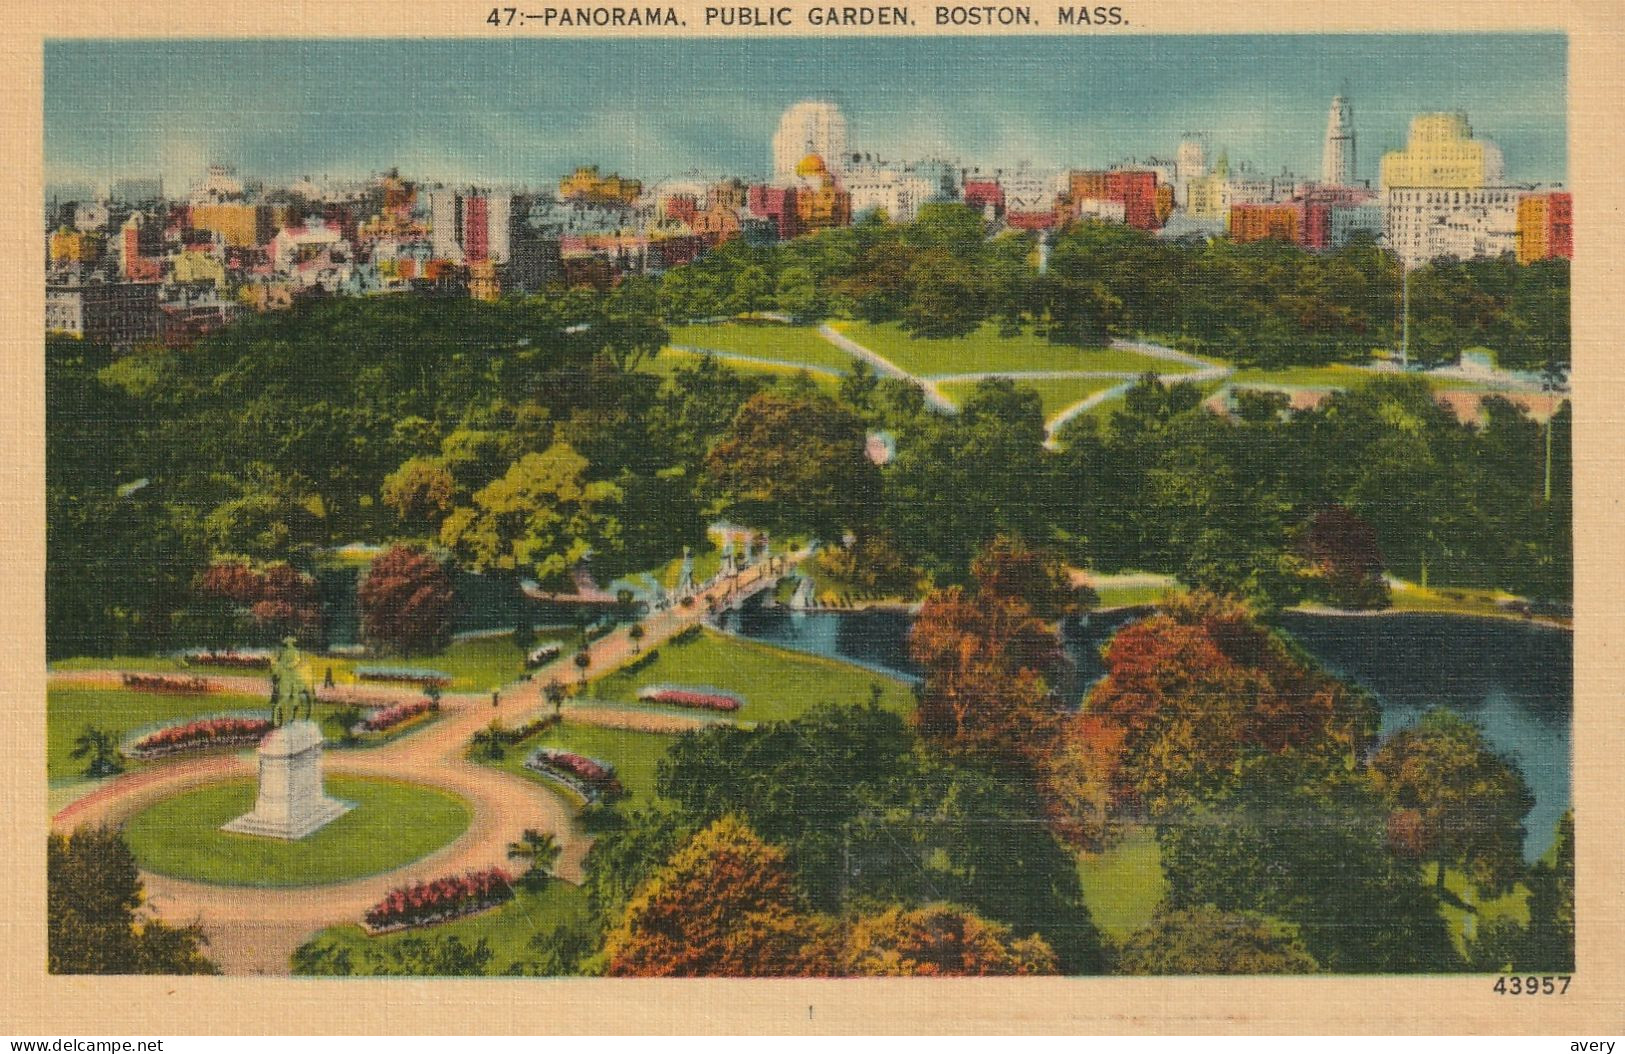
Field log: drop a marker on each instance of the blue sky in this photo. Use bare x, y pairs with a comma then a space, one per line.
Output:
527, 110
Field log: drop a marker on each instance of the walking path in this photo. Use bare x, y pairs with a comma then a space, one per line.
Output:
933, 394
255, 930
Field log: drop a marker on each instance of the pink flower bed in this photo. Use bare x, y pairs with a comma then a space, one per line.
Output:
388, 717
693, 698
236, 660
208, 733
440, 900
158, 682
590, 776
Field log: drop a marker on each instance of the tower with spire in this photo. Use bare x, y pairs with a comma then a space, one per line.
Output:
1337, 155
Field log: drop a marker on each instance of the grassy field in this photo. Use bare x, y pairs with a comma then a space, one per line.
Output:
986, 351
135, 663
1342, 375
666, 363
507, 930
1124, 884
392, 824
69, 709
477, 665
765, 340
1055, 394
634, 754
776, 684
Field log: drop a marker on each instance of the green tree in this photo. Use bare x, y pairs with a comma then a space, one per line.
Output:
1469, 802
101, 747
1206, 940
543, 516
94, 918
540, 852
794, 466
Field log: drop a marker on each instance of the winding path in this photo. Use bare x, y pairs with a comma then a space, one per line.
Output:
256, 930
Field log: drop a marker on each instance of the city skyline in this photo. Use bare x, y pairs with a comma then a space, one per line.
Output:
529, 110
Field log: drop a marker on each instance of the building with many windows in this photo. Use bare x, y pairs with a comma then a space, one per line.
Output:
1545, 226
117, 314
1432, 223
1442, 153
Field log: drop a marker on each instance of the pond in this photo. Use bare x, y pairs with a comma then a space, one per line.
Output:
1515, 679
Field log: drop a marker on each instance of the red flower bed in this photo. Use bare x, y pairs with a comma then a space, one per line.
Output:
158, 682
693, 698
205, 734
591, 777
441, 899
390, 716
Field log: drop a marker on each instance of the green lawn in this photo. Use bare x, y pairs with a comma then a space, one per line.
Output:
1124, 884
69, 709
1337, 375
392, 825
765, 340
507, 930
477, 665
136, 663
666, 363
776, 684
1055, 394
986, 351
634, 754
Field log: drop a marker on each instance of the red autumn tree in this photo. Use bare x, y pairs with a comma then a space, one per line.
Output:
1346, 560
1189, 694
280, 599
406, 602
725, 905
941, 940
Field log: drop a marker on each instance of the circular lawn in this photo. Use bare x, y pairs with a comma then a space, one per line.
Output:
392, 825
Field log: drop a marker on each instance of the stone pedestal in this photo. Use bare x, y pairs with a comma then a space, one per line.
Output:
292, 802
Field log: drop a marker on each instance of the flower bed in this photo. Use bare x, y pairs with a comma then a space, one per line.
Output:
646, 659
211, 733
697, 697
247, 659
589, 777
403, 674
440, 900
388, 717
543, 655
529, 728
158, 682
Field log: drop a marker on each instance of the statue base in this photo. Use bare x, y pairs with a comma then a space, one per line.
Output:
292, 802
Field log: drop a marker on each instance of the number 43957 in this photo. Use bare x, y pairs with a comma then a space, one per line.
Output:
1532, 985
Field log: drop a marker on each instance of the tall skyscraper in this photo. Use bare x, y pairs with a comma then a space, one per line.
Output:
1337, 156
809, 127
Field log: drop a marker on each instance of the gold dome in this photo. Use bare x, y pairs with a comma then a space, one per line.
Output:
811, 165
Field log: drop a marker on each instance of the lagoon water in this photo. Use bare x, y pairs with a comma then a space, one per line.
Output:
1515, 679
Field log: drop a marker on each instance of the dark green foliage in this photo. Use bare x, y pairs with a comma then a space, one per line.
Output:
410, 957
1310, 848
94, 920
869, 818
1208, 941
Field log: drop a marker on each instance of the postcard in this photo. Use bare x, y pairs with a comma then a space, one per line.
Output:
910, 517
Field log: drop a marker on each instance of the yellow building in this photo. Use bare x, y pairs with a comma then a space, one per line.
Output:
193, 266
1208, 197
585, 184
242, 226
820, 201
71, 246
483, 283
1442, 153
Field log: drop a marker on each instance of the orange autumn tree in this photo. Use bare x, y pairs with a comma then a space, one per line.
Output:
941, 940
725, 905
988, 658
1189, 695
